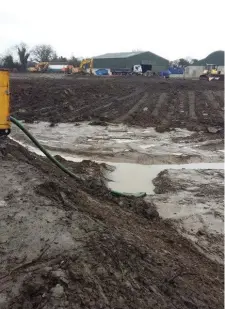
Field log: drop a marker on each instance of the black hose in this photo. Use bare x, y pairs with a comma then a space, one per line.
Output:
48, 155
57, 163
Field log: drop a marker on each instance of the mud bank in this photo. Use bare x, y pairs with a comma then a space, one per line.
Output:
69, 244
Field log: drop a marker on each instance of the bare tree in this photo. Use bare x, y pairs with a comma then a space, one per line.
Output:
43, 53
194, 61
59, 58
23, 55
181, 63
74, 61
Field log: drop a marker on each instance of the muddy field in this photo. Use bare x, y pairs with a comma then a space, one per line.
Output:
139, 101
68, 243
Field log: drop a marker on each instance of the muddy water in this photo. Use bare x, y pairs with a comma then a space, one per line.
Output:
121, 143
138, 154
132, 178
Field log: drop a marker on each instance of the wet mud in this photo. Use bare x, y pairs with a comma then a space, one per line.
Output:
69, 243
195, 105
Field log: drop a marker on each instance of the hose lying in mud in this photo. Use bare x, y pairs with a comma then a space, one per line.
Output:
58, 164
48, 155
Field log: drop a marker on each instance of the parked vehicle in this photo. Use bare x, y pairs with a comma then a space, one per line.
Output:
211, 72
145, 68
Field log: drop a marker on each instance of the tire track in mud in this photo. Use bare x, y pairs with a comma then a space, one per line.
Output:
210, 96
182, 112
152, 100
219, 95
159, 105
215, 112
202, 108
123, 98
191, 105
172, 109
134, 109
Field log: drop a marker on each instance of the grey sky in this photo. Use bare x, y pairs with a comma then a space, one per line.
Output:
170, 28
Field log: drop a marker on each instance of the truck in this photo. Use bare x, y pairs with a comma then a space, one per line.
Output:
144, 68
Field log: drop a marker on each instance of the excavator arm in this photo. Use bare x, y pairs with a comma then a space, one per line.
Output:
84, 62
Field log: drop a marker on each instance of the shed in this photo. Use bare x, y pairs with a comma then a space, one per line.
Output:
129, 59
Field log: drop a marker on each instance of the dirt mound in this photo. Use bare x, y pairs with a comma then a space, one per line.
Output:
69, 243
138, 101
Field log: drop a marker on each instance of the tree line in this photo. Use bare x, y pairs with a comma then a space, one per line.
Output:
22, 56
183, 62
46, 53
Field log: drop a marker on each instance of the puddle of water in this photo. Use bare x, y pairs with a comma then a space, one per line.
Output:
129, 177
132, 178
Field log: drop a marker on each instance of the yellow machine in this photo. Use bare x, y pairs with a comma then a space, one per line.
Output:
211, 72
4, 103
83, 64
39, 67
82, 68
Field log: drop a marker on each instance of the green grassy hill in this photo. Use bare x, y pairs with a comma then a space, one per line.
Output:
216, 57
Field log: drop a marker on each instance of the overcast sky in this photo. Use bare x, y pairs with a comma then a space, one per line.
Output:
169, 28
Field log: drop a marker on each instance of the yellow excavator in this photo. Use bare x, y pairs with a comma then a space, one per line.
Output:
83, 64
40, 67
211, 72
82, 67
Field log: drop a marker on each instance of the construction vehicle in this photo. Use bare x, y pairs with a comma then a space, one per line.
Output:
4, 103
40, 67
211, 72
82, 69
145, 69
83, 65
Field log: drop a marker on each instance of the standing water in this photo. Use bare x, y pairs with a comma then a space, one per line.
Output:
133, 178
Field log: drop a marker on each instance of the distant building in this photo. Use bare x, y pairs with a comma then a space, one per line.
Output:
129, 59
